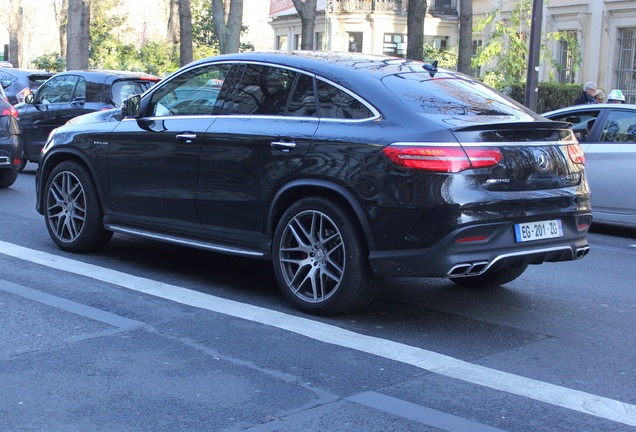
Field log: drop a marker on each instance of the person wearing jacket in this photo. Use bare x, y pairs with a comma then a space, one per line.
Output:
587, 95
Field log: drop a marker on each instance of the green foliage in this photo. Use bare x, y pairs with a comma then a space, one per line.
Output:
205, 41
51, 62
507, 46
447, 58
551, 95
105, 46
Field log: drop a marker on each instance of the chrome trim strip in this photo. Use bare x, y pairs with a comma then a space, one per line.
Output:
508, 255
182, 241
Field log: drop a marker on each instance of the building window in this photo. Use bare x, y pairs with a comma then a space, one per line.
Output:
394, 44
437, 42
447, 7
566, 62
281, 42
478, 44
355, 41
626, 70
298, 41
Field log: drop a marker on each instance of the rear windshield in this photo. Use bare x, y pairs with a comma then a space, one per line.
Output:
35, 81
450, 95
124, 89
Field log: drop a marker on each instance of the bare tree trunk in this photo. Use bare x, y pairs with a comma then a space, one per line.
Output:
173, 26
227, 19
16, 27
415, 29
185, 32
465, 53
307, 11
61, 16
76, 34
86, 35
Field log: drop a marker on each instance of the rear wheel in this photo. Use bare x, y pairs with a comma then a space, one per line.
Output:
73, 213
321, 259
8, 177
490, 278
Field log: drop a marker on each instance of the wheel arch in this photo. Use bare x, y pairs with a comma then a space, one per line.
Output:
298, 189
52, 160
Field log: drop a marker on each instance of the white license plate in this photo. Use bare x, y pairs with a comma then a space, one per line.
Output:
538, 230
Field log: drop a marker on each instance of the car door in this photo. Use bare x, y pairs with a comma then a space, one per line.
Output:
610, 164
153, 160
52, 107
264, 129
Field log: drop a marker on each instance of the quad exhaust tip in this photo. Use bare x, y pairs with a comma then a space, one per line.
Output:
468, 269
581, 252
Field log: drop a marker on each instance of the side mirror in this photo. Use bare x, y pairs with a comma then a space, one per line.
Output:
130, 107
29, 98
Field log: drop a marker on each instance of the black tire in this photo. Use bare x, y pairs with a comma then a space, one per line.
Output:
321, 259
72, 210
8, 177
23, 164
491, 279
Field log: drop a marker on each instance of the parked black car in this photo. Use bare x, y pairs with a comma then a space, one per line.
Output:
72, 93
18, 83
340, 168
11, 149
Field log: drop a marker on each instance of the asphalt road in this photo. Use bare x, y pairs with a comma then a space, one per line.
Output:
144, 336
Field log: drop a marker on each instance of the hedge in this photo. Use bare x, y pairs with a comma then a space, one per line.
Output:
551, 95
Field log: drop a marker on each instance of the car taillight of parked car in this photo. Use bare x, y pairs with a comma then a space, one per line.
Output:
22, 94
576, 154
10, 112
441, 158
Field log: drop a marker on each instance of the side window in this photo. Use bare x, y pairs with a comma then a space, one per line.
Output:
303, 100
57, 90
582, 123
94, 92
619, 127
337, 104
80, 90
194, 92
262, 90
6, 79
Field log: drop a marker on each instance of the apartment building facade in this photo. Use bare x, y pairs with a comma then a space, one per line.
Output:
605, 31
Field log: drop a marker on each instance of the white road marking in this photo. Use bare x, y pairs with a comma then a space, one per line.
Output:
587, 403
420, 414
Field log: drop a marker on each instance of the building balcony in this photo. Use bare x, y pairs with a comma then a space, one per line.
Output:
398, 7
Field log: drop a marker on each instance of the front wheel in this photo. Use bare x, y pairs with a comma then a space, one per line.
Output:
321, 259
73, 213
490, 278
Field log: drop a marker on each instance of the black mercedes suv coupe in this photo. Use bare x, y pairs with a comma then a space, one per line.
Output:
340, 168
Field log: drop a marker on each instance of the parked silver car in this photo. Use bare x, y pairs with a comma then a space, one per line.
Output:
607, 133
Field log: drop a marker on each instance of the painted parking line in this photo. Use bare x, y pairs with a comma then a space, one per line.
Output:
420, 414
587, 403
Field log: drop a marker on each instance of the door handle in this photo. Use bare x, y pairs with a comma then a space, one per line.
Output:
187, 137
283, 145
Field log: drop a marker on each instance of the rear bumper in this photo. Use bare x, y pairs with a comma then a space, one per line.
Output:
450, 258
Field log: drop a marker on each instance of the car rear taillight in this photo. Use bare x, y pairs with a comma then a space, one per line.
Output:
22, 94
442, 159
576, 154
10, 112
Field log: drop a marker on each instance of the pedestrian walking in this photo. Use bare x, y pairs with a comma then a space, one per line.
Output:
587, 95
